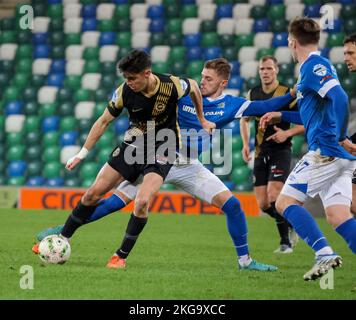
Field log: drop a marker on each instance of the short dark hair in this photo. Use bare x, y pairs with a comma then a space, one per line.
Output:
269, 57
350, 39
221, 66
135, 61
305, 30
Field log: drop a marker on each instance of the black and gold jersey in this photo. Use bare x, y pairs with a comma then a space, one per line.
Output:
263, 147
156, 110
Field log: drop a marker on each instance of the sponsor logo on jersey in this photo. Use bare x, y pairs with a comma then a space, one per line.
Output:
221, 105
320, 70
207, 113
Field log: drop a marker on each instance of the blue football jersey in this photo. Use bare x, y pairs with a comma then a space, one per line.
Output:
221, 111
317, 77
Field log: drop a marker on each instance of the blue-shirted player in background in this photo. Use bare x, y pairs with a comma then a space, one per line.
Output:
327, 168
188, 173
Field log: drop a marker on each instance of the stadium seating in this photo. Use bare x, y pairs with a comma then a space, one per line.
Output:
56, 79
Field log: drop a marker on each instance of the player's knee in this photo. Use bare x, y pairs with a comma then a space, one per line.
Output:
281, 205
141, 203
91, 197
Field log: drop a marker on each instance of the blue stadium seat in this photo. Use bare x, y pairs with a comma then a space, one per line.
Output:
89, 24
280, 39
50, 123
194, 53
157, 25
336, 27
55, 79
192, 40
54, 1
224, 11
107, 38
120, 1
14, 107
312, 10
121, 125
69, 138
236, 82
343, 2
55, 182
212, 53
229, 184
235, 67
271, 2
41, 51
234, 126
35, 181
16, 168
40, 38
88, 11
155, 11
261, 25
325, 52
58, 66
184, 2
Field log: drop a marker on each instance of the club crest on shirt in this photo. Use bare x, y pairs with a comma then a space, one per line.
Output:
320, 70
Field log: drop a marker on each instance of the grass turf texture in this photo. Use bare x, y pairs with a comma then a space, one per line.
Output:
176, 257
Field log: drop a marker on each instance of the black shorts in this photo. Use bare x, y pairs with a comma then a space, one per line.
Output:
272, 167
131, 171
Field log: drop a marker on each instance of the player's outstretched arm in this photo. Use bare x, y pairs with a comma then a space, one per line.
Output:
94, 135
197, 99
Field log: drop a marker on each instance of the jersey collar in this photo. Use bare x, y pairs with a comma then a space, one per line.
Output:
313, 53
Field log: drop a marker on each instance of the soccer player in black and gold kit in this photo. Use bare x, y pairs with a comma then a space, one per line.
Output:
272, 150
151, 100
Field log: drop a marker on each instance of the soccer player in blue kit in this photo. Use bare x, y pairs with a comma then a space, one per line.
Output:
188, 173
326, 169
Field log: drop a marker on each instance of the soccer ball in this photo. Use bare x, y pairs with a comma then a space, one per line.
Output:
54, 249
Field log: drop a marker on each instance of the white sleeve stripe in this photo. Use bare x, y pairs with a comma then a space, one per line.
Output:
327, 86
242, 109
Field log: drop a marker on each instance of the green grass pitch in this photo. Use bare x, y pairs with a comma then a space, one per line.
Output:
176, 257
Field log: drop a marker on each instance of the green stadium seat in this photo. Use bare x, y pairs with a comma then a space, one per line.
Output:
38, 81
32, 123
39, 9
189, 11
48, 109
24, 37
108, 81
109, 67
124, 25
31, 108
11, 93
210, 39
56, 38
64, 95
16, 181
349, 83
34, 168
56, 24
172, 10
208, 26
123, 39
244, 40
92, 66
82, 95
195, 67
103, 155
50, 139
66, 109
258, 12
33, 138
297, 144
230, 53
73, 82
237, 159
7, 23
8, 37
55, 10
177, 54
279, 25
33, 152
72, 38
29, 94
276, 12
21, 80
89, 170
68, 123
72, 182
178, 67
51, 153
157, 39
52, 170
174, 26
335, 40
237, 144
24, 51
15, 152
58, 52
4, 80
7, 66
264, 52
98, 110
350, 25
107, 26
286, 69
240, 175
84, 125
252, 82
227, 40
244, 186
24, 66
167, 187
348, 11
160, 67
106, 140
174, 39
121, 11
